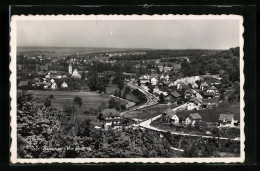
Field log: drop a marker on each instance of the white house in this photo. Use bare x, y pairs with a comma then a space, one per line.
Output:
154, 81
203, 86
195, 86
167, 77
75, 74
226, 120
110, 118
161, 77
194, 104
64, 85
54, 86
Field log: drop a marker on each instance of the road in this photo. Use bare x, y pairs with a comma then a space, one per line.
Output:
151, 99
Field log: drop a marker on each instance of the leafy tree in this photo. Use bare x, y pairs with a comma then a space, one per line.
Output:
69, 110
78, 100
161, 98
116, 93
47, 103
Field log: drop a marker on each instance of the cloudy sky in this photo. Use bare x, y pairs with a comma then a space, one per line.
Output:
156, 34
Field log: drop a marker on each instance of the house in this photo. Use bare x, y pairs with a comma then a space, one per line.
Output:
154, 80
172, 97
214, 90
208, 95
204, 85
195, 86
47, 85
144, 79
192, 119
23, 84
226, 120
166, 83
188, 93
75, 74
169, 98
210, 103
175, 94
194, 104
54, 86
167, 115
176, 117
110, 118
161, 77
20, 67
64, 85
167, 77
167, 69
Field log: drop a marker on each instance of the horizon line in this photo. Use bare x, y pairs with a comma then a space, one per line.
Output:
118, 47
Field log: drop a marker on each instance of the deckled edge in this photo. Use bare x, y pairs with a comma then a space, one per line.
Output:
13, 91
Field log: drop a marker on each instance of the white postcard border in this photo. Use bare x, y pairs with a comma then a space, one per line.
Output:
13, 90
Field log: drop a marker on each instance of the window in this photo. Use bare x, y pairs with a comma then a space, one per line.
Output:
225, 120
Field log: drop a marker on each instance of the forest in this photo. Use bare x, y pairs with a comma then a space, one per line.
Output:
158, 54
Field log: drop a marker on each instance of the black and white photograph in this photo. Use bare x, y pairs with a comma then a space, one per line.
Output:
136, 88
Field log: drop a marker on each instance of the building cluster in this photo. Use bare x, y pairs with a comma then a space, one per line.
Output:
113, 54
191, 117
47, 80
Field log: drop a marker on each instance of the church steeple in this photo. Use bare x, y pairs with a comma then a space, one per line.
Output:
70, 69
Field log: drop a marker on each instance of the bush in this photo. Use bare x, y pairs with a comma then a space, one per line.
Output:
78, 100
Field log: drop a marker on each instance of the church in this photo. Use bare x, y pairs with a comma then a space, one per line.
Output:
75, 73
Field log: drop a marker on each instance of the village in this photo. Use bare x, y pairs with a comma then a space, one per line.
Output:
194, 104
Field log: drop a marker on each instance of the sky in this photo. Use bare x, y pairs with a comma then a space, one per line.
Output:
154, 34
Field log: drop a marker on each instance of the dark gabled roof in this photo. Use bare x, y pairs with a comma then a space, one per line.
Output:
195, 116
228, 116
188, 91
110, 113
196, 100
175, 94
182, 115
23, 83
184, 86
168, 112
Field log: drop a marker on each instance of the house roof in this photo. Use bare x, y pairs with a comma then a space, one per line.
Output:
188, 91
195, 116
228, 116
213, 88
175, 94
184, 86
48, 84
196, 100
168, 112
204, 84
212, 100
110, 113
23, 83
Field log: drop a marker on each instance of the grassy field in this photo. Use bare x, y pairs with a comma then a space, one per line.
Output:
89, 100
147, 113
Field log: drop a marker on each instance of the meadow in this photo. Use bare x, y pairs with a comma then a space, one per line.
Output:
90, 100
147, 113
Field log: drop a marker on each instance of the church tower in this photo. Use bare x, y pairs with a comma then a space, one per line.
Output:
70, 69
